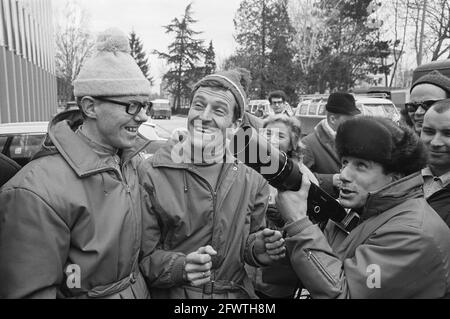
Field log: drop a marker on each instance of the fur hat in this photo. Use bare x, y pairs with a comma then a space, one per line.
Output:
436, 78
398, 149
342, 103
237, 81
111, 71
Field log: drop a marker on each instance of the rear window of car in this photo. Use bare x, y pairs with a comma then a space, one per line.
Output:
303, 109
313, 108
25, 145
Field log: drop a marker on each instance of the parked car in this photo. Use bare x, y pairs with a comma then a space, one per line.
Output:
21, 141
161, 109
311, 110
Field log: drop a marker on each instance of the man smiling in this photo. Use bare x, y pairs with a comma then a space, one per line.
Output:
426, 91
70, 221
436, 137
203, 210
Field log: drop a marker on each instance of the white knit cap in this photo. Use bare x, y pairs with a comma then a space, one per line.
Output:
111, 71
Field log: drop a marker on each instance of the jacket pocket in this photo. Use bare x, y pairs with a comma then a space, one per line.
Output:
319, 265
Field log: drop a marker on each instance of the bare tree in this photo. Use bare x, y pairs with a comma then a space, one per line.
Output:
399, 32
431, 24
74, 43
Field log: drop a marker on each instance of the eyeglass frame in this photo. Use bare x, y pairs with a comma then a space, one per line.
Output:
426, 105
127, 105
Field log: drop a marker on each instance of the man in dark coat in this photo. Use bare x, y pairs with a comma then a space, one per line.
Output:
320, 154
436, 136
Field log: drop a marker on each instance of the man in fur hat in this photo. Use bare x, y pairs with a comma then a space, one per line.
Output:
70, 221
401, 247
204, 212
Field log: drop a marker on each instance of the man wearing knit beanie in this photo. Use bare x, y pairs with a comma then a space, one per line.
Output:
203, 216
426, 91
401, 247
70, 221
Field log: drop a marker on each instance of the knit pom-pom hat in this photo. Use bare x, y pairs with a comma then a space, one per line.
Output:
237, 81
398, 149
111, 71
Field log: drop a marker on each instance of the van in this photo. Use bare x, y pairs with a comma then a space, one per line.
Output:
441, 66
311, 109
161, 109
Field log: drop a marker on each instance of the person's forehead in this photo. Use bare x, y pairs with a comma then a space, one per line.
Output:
215, 95
424, 92
437, 120
278, 125
126, 98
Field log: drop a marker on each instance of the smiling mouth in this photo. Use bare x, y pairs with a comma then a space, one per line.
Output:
131, 129
204, 130
346, 192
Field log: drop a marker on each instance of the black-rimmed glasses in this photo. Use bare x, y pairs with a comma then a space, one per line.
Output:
413, 106
132, 107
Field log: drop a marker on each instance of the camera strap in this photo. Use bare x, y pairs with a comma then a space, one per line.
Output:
349, 222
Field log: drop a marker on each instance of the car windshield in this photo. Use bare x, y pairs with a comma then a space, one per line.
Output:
373, 109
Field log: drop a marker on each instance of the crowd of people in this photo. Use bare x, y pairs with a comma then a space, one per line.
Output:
89, 217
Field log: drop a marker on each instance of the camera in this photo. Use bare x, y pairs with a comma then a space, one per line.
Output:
255, 151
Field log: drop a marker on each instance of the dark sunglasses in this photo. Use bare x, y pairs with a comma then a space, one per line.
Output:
413, 106
132, 107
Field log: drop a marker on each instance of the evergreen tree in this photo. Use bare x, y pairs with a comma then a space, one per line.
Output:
137, 52
264, 36
352, 49
183, 56
210, 60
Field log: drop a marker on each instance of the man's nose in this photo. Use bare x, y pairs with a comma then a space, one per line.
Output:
436, 141
420, 111
206, 114
345, 175
141, 116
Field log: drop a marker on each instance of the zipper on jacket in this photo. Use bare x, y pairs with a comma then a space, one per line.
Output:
133, 213
319, 265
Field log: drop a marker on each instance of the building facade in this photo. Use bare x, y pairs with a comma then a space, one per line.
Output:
28, 90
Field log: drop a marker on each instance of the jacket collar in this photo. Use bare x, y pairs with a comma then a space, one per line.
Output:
85, 158
164, 157
393, 195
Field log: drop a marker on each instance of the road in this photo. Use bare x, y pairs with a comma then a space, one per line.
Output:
164, 128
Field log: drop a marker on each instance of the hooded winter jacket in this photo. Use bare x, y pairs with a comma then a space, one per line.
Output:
183, 213
401, 249
70, 222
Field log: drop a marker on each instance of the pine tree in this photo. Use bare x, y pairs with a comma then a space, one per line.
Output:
137, 52
210, 60
263, 30
183, 57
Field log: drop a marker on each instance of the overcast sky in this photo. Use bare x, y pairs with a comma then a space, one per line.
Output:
147, 18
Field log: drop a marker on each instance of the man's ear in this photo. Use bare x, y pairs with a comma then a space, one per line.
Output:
88, 107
